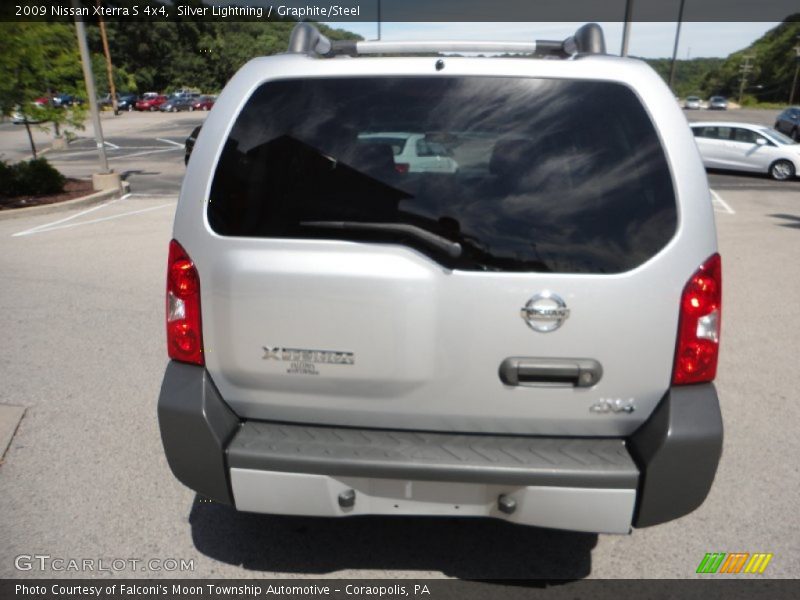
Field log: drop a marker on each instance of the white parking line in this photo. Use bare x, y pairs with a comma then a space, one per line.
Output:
143, 153
718, 199
68, 153
172, 197
100, 220
110, 145
39, 228
170, 142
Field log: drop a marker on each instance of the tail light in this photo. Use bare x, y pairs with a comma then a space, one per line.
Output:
697, 348
184, 332
401, 168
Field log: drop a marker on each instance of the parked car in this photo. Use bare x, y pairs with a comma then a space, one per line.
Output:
717, 103
36, 107
151, 103
747, 147
177, 103
531, 338
127, 101
692, 103
788, 122
65, 100
415, 152
204, 103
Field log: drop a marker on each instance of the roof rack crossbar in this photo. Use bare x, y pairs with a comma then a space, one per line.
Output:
306, 39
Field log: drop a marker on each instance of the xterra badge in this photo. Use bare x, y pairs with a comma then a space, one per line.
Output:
613, 405
329, 357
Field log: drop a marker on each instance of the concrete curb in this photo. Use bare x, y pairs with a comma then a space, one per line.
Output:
95, 198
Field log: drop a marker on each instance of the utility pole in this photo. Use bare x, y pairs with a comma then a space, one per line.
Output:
109, 68
105, 179
744, 69
796, 71
675, 48
626, 31
379, 20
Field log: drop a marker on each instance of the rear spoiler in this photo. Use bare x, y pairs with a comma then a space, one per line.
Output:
306, 39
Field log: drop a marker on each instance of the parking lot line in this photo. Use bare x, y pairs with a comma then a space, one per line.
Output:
143, 153
64, 220
169, 142
718, 199
110, 145
100, 220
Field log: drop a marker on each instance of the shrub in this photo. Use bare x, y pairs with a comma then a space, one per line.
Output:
7, 175
30, 178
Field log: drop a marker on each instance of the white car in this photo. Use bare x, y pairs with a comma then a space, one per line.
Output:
692, 103
415, 152
747, 147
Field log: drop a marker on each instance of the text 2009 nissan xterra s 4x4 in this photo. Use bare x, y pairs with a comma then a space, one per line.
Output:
530, 334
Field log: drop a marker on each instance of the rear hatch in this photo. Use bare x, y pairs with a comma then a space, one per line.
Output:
528, 290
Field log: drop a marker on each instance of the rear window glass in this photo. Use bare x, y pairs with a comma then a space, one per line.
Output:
505, 174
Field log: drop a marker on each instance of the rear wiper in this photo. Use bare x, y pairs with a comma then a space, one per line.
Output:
452, 249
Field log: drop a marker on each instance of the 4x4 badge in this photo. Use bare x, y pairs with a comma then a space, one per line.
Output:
545, 312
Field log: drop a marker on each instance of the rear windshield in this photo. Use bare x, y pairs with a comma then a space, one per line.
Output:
516, 174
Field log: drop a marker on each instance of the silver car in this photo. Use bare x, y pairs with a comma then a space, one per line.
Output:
531, 337
692, 103
747, 147
717, 103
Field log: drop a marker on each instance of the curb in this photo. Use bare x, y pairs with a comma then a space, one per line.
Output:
95, 198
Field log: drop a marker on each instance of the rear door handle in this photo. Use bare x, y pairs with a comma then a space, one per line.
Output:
576, 372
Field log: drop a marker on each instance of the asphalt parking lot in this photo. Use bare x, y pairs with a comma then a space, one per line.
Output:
81, 311
146, 149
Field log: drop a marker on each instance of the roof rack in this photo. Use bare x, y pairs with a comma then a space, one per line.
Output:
306, 39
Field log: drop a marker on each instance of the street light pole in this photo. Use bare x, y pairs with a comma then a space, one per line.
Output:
796, 71
379, 20
105, 179
626, 31
675, 49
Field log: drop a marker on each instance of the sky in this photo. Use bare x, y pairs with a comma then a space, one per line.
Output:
647, 40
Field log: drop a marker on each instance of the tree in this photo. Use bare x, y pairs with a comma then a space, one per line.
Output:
39, 60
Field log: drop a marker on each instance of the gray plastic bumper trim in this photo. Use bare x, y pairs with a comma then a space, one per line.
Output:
678, 450
196, 425
671, 460
445, 457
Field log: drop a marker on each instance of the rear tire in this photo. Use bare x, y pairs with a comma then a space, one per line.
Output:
781, 170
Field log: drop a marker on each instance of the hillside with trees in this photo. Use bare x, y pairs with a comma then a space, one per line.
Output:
773, 62
691, 76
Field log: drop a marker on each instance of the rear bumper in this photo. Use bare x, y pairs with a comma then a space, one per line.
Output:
662, 472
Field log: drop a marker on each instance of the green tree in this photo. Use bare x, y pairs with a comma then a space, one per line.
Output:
204, 54
39, 60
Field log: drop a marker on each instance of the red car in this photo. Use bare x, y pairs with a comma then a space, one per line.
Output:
203, 103
151, 103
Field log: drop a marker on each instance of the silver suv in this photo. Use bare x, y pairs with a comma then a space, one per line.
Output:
532, 336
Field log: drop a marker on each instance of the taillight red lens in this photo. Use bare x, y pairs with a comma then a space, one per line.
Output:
401, 168
184, 331
697, 348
